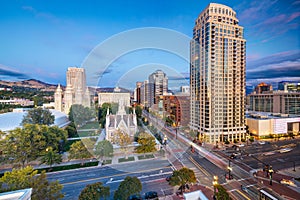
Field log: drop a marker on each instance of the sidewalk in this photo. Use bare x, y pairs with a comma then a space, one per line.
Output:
288, 192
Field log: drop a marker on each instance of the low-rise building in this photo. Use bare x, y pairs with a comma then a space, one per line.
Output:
272, 124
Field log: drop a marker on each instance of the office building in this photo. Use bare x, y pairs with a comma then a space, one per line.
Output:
289, 86
217, 75
276, 102
262, 88
158, 85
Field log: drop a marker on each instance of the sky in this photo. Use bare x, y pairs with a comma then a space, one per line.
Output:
41, 39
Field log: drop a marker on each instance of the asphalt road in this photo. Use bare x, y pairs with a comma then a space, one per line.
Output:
152, 174
257, 155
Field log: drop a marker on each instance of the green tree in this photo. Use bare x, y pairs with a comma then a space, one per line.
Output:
138, 111
27, 178
71, 130
94, 191
38, 116
79, 151
146, 143
30, 142
113, 107
51, 157
123, 140
80, 114
130, 186
182, 177
222, 193
104, 149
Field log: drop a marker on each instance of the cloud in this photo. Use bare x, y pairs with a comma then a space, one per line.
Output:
9, 73
45, 15
274, 59
181, 76
280, 65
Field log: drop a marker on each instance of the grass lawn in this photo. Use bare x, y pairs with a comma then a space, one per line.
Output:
86, 133
107, 162
126, 160
90, 125
147, 156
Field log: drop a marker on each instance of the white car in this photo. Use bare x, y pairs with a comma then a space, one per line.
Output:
285, 150
261, 142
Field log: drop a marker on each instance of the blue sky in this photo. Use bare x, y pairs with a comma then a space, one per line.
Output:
41, 39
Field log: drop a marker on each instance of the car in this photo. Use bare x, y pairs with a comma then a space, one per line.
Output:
285, 150
168, 178
240, 145
135, 197
288, 182
261, 142
151, 195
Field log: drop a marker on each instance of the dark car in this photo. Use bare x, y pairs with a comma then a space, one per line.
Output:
151, 195
168, 178
135, 197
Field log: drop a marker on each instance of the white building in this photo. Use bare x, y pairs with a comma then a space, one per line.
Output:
114, 97
275, 124
12, 120
76, 91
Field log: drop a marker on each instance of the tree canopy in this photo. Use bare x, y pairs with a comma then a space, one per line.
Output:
51, 157
182, 177
104, 149
130, 186
122, 139
27, 178
79, 151
146, 143
31, 141
80, 114
94, 191
38, 116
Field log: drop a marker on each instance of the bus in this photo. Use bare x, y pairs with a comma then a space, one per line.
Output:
264, 195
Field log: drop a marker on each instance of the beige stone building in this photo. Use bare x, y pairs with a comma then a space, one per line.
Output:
114, 97
76, 91
217, 75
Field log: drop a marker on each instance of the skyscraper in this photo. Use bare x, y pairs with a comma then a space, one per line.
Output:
217, 75
158, 85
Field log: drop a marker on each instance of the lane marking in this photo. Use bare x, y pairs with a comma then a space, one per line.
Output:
243, 195
103, 177
198, 166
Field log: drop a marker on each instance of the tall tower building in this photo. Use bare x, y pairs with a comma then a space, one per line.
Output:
217, 75
158, 85
76, 91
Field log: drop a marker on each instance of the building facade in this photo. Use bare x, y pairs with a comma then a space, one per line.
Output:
262, 88
276, 102
217, 75
158, 85
289, 86
276, 125
75, 92
121, 121
114, 97
177, 107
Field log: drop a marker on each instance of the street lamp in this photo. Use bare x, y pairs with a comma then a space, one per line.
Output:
49, 152
215, 183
